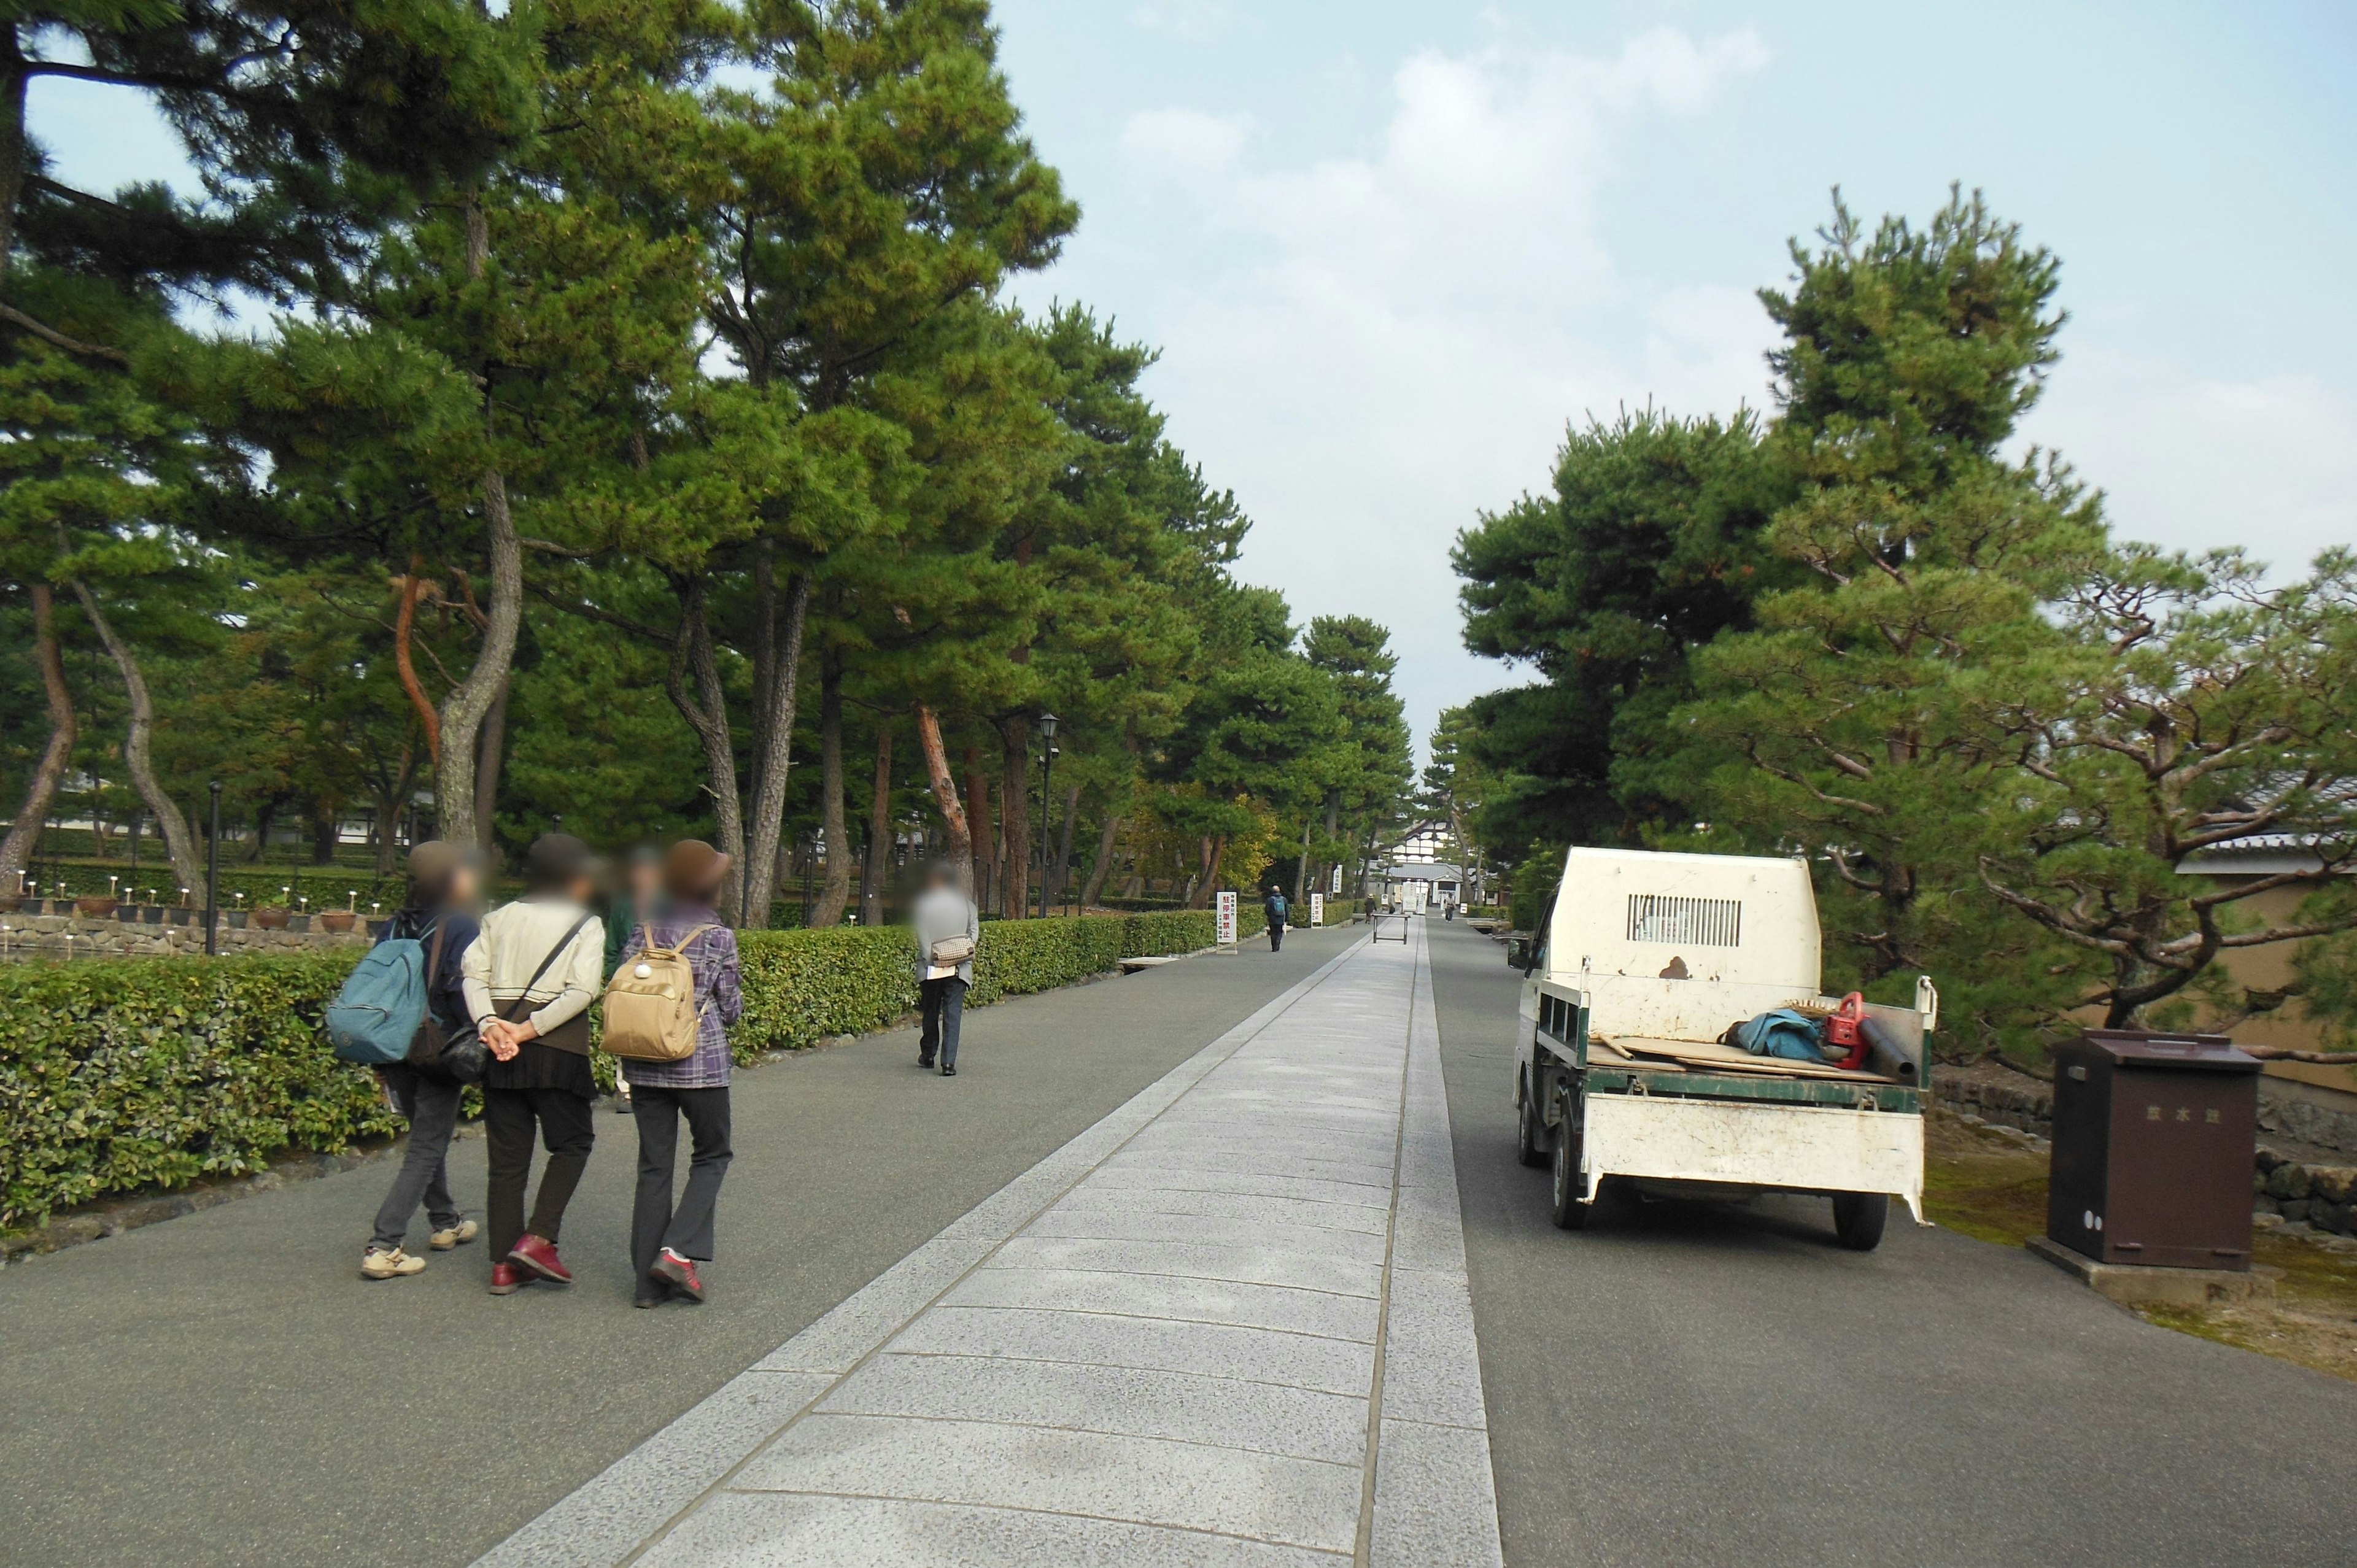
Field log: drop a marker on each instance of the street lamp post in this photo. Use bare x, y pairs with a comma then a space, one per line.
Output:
212, 876
1047, 794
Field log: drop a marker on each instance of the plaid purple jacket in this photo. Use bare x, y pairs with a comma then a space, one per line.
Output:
720, 998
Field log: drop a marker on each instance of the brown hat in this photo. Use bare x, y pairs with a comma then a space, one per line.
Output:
432, 863
693, 870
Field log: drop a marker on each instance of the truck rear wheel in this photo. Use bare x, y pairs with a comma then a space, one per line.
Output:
1530, 1134
1858, 1219
1565, 1190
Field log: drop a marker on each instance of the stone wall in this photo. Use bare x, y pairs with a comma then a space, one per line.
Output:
2318, 1196
2292, 1109
25, 934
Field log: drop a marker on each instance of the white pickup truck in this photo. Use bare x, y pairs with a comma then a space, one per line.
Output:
1639, 968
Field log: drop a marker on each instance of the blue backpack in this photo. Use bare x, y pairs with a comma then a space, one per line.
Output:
375, 1018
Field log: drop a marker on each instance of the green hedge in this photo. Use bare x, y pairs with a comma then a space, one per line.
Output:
124, 1074
117, 1075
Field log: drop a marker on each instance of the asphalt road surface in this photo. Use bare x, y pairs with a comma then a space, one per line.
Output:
1698, 1384
225, 1389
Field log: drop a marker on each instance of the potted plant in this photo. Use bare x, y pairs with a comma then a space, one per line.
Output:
338, 919
97, 905
271, 917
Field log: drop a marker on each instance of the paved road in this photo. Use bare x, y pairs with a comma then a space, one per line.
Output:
1699, 1385
225, 1389
1227, 1327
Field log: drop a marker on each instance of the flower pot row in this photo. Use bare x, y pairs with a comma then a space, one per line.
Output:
99, 907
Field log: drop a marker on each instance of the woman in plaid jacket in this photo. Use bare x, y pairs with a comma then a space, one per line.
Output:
668, 1242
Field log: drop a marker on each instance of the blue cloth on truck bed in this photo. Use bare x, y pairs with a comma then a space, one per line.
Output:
1783, 1033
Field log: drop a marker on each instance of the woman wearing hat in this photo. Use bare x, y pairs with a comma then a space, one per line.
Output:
668, 1242
530, 979
438, 913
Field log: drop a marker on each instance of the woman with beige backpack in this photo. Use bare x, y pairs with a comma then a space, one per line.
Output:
668, 1008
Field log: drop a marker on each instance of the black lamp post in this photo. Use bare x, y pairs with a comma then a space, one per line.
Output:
212, 875
1047, 794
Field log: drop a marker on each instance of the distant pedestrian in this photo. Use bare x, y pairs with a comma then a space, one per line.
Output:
668, 1242
1278, 909
640, 897
530, 979
949, 932
438, 913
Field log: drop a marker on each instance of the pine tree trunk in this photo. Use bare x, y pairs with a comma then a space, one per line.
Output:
1014, 737
464, 709
836, 893
708, 714
1063, 845
880, 834
186, 866
16, 849
985, 838
945, 796
773, 754
1093, 889
487, 767
1301, 867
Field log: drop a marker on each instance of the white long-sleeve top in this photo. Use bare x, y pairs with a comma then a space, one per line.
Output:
514, 938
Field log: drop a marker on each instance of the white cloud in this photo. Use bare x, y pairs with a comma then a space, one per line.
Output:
2193, 462
1401, 336
1193, 21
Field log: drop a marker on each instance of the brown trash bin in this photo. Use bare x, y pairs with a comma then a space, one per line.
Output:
2154, 1135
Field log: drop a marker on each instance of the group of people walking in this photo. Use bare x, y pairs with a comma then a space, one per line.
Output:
521, 980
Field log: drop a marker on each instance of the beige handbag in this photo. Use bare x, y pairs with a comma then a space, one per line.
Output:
951, 951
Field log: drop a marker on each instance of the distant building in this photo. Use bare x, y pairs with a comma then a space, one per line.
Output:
1422, 870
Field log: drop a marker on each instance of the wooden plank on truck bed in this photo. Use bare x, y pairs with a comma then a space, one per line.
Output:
1733, 1058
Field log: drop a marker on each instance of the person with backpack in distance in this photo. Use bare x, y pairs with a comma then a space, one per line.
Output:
437, 915
530, 978
1277, 910
668, 1008
948, 930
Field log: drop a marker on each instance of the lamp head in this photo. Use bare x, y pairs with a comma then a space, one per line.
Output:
1047, 726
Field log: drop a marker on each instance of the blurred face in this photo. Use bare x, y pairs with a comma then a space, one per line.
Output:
462, 886
581, 890
644, 879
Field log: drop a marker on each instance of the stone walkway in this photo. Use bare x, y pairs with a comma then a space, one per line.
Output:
1227, 1325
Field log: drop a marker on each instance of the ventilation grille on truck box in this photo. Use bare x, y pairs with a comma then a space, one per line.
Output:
1687, 922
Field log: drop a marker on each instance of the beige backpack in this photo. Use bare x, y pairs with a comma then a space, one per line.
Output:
650, 1011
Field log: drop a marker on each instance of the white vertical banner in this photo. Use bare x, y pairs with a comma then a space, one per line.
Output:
1317, 909
1334, 879
1225, 927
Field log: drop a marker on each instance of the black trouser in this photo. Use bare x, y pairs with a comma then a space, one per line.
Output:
1277, 936
945, 1003
654, 1223
431, 1106
565, 1127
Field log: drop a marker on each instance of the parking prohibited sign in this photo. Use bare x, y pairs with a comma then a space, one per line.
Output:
1226, 928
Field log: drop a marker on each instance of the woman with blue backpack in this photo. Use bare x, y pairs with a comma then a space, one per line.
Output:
438, 915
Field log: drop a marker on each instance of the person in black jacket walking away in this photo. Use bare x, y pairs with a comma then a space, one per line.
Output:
439, 913
668, 1242
949, 932
1278, 909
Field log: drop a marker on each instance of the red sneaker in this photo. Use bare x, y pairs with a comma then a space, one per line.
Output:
507, 1279
540, 1257
677, 1272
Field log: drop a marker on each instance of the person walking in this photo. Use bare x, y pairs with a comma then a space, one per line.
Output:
667, 1242
437, 912
530, 978
639, 897
1277, 909
949, 932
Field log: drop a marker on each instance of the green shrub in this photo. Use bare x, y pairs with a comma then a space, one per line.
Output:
116, 1075
129, 1073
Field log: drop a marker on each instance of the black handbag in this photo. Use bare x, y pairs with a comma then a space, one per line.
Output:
456, 1056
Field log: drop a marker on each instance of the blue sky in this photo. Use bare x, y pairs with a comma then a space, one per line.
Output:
1390, 250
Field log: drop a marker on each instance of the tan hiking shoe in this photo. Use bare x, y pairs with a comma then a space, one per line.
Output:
379, 1265
458, 1235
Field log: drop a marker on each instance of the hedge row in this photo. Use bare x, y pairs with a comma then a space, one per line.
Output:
119, 1075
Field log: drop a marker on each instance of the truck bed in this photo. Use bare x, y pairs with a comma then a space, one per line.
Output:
1646, 1053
